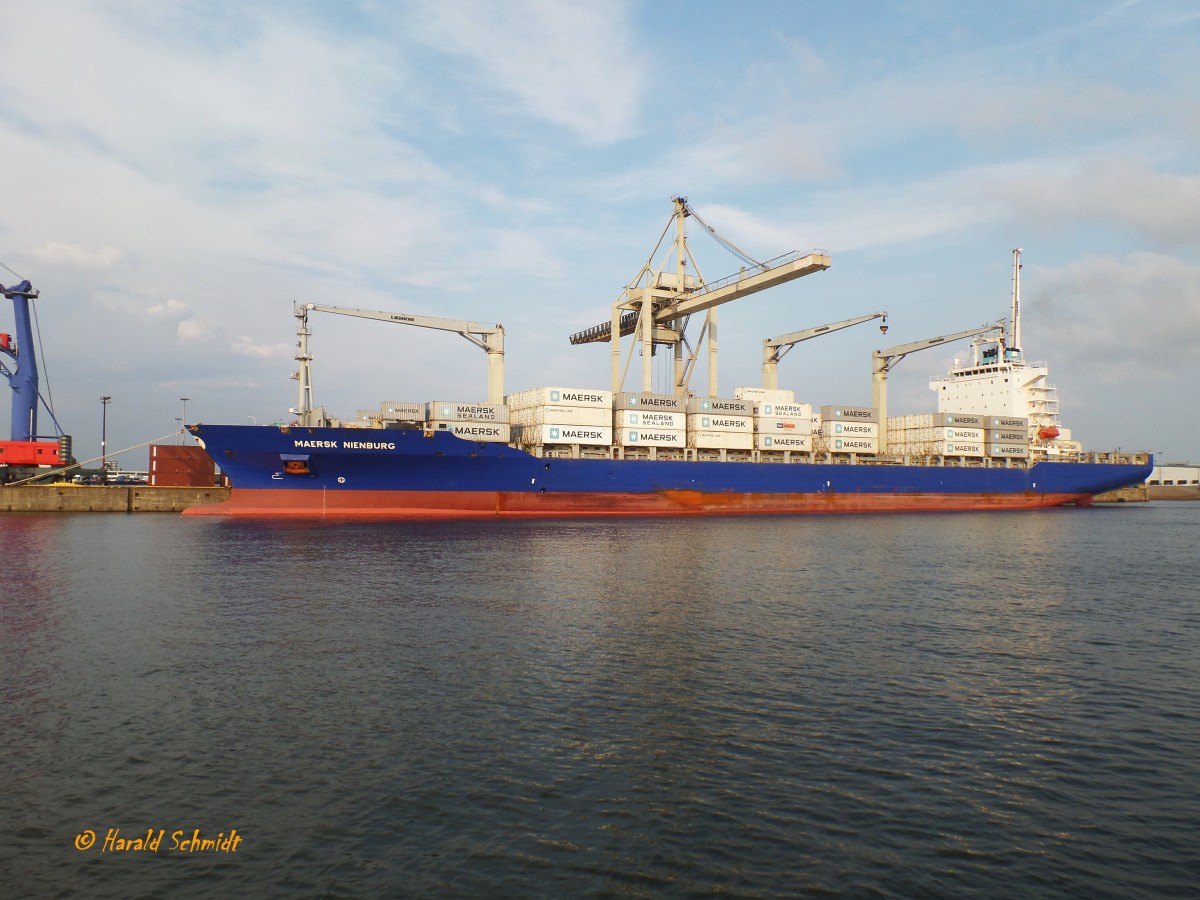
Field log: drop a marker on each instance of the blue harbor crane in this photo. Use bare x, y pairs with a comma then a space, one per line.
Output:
24, 448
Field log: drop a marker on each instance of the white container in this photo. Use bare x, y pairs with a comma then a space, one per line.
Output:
561, 415
591, 435
784, 410
560, 396
652, 437
400, 411
1008, 436
488, 432
764, 395
780, 426
720, 405
953, 434
1014, 422
719, 422
456, 411
851, 445
800, 442
850, 414
1008, 451
960, 420
660, 402
851, 429
649, 419
720, 440
958, 448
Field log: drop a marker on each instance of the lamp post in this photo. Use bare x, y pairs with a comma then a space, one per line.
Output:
104, 401
183, 420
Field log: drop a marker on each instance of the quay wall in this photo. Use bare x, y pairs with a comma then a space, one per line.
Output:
106, 498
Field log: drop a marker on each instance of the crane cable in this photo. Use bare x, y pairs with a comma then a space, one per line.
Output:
724, 242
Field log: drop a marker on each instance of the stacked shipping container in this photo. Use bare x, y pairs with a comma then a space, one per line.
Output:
485, 422
848, 429
650, 420
553, 415
970, 435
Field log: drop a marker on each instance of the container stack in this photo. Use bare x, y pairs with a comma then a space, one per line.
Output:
552, 415
937, 434
363, 418
484, 422
716, 423
1007, 437
848, 429
780, 423
650, 420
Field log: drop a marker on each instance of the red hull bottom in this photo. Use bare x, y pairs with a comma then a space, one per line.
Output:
278, 503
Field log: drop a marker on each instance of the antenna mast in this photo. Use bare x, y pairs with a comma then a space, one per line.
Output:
1016, 302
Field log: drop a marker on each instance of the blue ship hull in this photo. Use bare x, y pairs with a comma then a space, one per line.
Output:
394, 473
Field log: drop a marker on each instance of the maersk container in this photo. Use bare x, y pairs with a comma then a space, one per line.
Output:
937, 420
851, 429
649, 418
1008, 451
457, 411
399, 411
785, 441
948, 433
561, 415
719, 422
652, 437
784, 410
720, 406
720, 440
781, 425
489, 432
850, 413
959, 420
851, 445
660, 402
1008, 436
958, 448
565, 434
1007, 422
764, 395
560, 396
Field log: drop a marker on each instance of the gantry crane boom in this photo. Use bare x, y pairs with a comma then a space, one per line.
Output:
884, 360
656, 305
489, 338
774, 349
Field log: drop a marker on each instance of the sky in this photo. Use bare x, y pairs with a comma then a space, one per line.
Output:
174, 177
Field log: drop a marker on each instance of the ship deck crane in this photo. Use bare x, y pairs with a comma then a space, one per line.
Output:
656, 305
489, 338
883, 361
774, 349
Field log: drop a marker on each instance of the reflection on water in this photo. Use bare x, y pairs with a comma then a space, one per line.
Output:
904, 705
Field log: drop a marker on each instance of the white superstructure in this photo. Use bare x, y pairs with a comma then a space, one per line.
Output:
996, 380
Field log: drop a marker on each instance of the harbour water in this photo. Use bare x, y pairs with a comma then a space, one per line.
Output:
982, 704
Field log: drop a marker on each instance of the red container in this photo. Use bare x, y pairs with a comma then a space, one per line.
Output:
172, 465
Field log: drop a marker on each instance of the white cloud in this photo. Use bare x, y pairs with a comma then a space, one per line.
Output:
172, 308
244, 345
572, 64
195, 330
58, 253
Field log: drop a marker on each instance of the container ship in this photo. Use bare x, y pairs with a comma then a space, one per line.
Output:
995, 441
